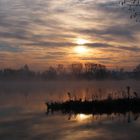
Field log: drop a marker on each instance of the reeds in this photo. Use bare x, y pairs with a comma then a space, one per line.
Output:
125, 103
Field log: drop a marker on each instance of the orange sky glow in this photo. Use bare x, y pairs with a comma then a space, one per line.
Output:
48, 32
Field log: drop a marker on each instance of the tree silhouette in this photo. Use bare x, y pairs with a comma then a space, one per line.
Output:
133, 7
89, 71
76, 69
137, 72
97, 71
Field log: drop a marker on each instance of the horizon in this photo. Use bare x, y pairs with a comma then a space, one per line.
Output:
67, 67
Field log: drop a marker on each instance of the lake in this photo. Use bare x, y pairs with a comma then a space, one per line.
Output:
23, 112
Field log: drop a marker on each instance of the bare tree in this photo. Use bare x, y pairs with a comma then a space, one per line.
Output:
133, 7
77, 68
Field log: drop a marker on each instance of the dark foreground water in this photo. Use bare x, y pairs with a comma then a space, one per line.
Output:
23, 117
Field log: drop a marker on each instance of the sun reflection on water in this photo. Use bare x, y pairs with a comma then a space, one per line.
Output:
83, 117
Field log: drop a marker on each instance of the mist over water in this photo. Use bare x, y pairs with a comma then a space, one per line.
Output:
22, 112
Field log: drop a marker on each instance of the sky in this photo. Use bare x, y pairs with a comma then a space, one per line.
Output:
41, 33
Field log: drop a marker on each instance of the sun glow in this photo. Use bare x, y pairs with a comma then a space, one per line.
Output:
81, 49
83, 117
81, 41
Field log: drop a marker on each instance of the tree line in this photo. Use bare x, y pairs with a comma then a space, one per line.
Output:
79, 71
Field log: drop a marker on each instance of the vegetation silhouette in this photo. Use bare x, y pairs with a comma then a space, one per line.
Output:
124, 104
78, 71
133, 7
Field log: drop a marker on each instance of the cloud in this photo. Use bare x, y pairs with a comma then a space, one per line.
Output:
53, 56
9, 48
111, 32
132, 49
32, 26
51, 44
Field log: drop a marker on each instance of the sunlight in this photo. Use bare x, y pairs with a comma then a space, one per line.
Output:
81, 41
83, 117
81, 49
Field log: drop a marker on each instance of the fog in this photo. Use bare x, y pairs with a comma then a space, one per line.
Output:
22, 111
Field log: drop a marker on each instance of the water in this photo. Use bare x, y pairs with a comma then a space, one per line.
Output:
23, 112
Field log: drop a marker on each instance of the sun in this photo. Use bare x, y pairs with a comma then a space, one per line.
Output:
81, 41
80, 49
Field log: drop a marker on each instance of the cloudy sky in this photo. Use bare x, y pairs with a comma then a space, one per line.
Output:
48, 32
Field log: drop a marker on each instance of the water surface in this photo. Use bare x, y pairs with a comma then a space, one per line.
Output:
23, 112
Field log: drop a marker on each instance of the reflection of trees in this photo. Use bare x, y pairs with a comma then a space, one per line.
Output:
134, 8
117, 117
